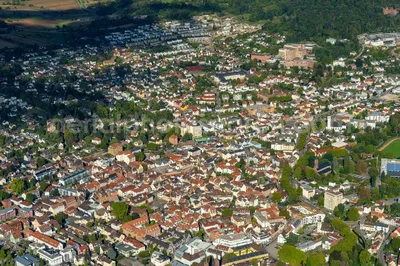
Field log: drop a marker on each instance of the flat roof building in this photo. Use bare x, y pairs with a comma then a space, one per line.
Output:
26, 260
391, 167
78, 176
332, 199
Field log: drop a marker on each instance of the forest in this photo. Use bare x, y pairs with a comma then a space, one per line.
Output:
299, 20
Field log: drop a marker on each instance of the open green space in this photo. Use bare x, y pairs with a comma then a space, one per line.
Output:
393, 148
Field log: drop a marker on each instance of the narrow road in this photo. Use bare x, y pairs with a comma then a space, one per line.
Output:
380, 254
387, 144
362, 51
272, 249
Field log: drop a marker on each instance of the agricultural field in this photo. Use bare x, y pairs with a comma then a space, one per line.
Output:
45, 22
88, 3
50, 5
38, 22
34, 5
41, 13
38, 31
393, 147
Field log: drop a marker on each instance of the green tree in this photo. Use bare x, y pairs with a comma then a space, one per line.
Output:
365, 258
30, 198
200, 234
227, 212
364, 193
286, 184
349, 238
119, 209
41, 161
152, 146
144, 254
395, 244
55, 193
241, 164
346, 164
359, 62
297, 173
104, 142
90, 238
373, 172
276, 197
383, 176
310, 173
292, 239
316, 260
4, 195
252, 209
3, 254
127, 218
301, 143
361, 167
17, 186
187, 137
285, 213
61, 218
32, 184
335, 165
140, 156
290, 254
339, 211
318, 70
42, 186
228, 256
320, 201
353, 214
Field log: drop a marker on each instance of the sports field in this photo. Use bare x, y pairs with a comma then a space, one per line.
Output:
393, 147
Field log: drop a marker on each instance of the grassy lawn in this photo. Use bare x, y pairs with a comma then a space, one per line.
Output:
394, 148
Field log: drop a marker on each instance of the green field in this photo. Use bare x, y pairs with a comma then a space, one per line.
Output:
394, 148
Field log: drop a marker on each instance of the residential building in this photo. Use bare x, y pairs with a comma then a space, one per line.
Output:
308, 192
173, 139
7, 213
115, 148
26, 260
137, 228
76, 177
51, 256
306, 213
332, 199
159, 259
233, 240
192, 252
